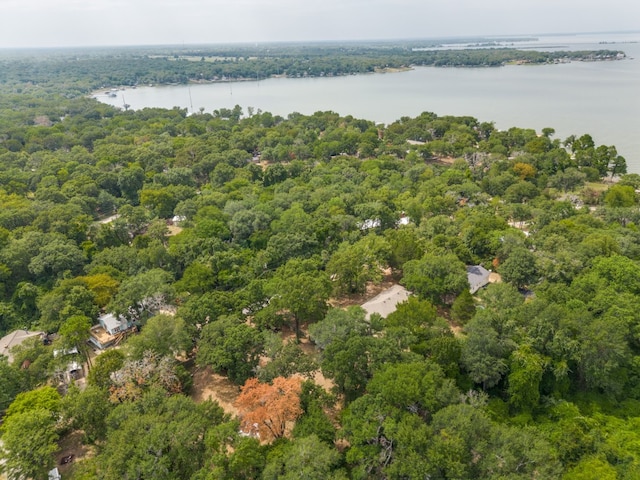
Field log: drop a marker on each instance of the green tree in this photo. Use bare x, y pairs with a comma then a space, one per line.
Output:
69, 298
483, 353
10, 383
142, 295
103, 286
519, 269
44, 398
516, 452
314, 400
29, 440
234, 456
285, 361
160, 201
74, 333
163, 335
620, 196
197, 279
458, 431
230, 347
302, 290
404, 245
463, 308
130, 181
568, 179
157, 437
418, 318
55, 258
385, 442
604, 355
592, 468
527, 368
353, 265
439, 278
88, 410
40, 359
198, 310
339, 324
103, 365
419, 387
307, 458
351, 362
521, 192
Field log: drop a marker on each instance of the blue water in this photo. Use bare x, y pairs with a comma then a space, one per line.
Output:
599, 98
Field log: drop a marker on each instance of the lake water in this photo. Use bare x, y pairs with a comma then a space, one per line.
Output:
599, 98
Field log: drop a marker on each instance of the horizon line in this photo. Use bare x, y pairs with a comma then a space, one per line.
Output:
315, 42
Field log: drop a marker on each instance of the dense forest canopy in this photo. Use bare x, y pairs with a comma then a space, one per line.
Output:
82, 70
242, 243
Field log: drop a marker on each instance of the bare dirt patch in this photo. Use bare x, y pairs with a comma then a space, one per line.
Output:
211, 386
71, 446
495, 277
174, 230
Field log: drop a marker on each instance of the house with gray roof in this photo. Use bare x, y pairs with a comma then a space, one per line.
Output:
478, 277
386, 302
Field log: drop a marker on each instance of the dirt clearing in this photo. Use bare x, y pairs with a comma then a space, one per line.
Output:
211, 386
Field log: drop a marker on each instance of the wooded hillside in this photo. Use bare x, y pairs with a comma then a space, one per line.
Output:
224, 235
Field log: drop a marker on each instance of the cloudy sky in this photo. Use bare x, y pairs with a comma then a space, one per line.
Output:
38, 23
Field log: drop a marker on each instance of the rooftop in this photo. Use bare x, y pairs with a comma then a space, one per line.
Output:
111, 322
478, 277
15, 338
386, 302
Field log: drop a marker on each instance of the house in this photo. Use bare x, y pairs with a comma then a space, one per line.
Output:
113, 324
109, 330
478, 277
386, 302
14, 339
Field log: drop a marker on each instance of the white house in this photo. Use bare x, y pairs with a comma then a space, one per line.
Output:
113, 324
109, 326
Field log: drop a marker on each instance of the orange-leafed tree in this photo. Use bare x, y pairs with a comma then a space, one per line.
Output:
265, 409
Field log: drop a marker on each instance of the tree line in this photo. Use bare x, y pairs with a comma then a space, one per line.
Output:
84, 70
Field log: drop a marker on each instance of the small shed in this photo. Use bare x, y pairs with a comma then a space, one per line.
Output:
478, 277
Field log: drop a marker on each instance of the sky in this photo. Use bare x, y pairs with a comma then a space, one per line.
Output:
65, 23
